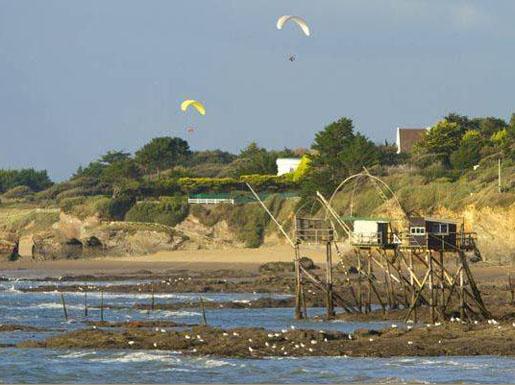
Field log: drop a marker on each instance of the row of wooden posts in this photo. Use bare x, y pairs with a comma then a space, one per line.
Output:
152, 306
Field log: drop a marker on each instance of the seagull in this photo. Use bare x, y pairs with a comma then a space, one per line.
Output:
313, 342
131, 343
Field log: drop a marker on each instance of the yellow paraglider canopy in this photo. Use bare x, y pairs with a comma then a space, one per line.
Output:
194, 103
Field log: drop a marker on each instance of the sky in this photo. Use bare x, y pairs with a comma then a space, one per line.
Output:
79, 78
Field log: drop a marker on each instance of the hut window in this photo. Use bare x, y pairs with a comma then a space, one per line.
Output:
417, 230
440, 228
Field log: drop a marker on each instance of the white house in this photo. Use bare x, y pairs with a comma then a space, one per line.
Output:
286, 165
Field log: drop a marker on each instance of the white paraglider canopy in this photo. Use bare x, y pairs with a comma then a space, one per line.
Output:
297, 20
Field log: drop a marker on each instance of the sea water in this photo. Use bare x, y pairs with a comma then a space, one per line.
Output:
44, 310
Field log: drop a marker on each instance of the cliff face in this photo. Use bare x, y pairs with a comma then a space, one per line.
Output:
52, 234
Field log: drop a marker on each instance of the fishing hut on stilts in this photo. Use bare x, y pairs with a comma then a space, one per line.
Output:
409, 263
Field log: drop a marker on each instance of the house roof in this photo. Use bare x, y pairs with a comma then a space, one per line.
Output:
407, 137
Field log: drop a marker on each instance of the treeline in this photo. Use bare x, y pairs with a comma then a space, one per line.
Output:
166, 165
34, 180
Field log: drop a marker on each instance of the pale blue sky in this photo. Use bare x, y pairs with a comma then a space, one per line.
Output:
78, 78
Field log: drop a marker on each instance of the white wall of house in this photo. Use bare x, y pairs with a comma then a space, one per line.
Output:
286, 165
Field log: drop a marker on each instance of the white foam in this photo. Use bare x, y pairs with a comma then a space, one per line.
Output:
141, 356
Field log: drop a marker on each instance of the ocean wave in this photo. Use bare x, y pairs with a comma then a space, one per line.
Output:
140, 356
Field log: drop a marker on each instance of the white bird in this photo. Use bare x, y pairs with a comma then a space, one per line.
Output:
163, 331
250, 349
225, 334
250, 339
270, 335
131, 343
371, 339
313, 342
292, 327
267, 344
311, 349
155, 344
187, 337
438, 323
325, 339
394, 326
284, 331
235, 334
410, 342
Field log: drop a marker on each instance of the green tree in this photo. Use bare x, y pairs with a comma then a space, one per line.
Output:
469, 151
36, 180
442, 140
338, 153
162, 153
253, 160
114, 156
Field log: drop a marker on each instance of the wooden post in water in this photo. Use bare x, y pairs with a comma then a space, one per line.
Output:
329, 281
152, 305
102, 305
86, 304
64, 307
203, 309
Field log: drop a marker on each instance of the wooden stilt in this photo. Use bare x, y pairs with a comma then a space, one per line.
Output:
442, 284
413, 294
86, 304
369, 286
360, 297
462, 296
431, 287
298, 285
329, 281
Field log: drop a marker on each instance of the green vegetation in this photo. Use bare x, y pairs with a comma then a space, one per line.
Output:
454, 165
166, 211
35, 180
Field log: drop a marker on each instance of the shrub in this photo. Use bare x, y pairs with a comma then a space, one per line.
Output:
119, 206
18, 192
198, 185
83, 207
167, 211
